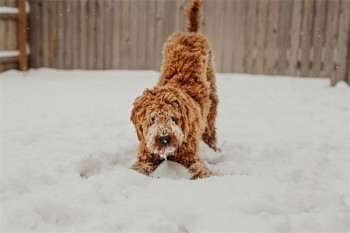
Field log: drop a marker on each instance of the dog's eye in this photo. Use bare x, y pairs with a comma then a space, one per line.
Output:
174, 120
152, 120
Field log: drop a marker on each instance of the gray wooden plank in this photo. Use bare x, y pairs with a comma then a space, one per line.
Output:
260, 37
331, 37
22, 36
75, 14
228, 38
306, 36
150, 37
283, 39
68, 43
45, 33
160, 15
217, 33
341, 62
135, 47
99, 36
82, 36
32, 31
52, 38
39, 30
295, 38
60, 35
108, 33
249, 48
91, 34
2, 33
179, 15
318, 37
117, 33
237, 45
271, 37
125, 52
213, 29
141, 35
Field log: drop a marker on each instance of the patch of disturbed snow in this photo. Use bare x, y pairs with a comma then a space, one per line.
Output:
67, 143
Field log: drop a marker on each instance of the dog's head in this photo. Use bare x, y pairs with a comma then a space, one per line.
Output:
162, 118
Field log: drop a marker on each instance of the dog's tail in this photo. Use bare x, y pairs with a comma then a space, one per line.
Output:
193, 13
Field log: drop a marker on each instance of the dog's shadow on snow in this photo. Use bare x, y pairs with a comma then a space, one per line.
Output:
96, 163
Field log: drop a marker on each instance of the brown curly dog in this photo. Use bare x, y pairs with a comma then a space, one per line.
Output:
171, 118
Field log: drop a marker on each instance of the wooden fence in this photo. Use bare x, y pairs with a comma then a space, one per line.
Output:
8, 37
13, 35
307, 38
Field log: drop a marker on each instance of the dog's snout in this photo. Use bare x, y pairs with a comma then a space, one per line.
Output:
164, 140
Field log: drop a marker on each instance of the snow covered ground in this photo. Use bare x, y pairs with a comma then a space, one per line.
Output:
67, 142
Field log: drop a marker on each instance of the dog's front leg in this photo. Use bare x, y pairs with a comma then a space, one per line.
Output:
193, 163
198, 169
146, 162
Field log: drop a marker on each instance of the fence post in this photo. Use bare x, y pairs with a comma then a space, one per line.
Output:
22, 35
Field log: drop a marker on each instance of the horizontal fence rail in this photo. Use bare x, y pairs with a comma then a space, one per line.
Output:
307, 38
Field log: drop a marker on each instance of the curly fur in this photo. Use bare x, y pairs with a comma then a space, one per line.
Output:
182, 106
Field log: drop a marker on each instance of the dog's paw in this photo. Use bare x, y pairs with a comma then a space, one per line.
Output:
202, 173
216, 149
143, 168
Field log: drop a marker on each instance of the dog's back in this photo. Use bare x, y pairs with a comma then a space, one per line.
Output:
187, 59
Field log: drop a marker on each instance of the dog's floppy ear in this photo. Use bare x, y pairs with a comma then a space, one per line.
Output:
137, 125
186, 118
138, 112
135, 118
187, 110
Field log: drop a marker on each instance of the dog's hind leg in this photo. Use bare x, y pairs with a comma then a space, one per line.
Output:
209, 134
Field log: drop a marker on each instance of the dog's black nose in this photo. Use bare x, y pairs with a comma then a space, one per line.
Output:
164, 140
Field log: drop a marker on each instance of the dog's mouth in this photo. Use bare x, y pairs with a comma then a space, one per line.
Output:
164, 145
163, 142
165, 151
